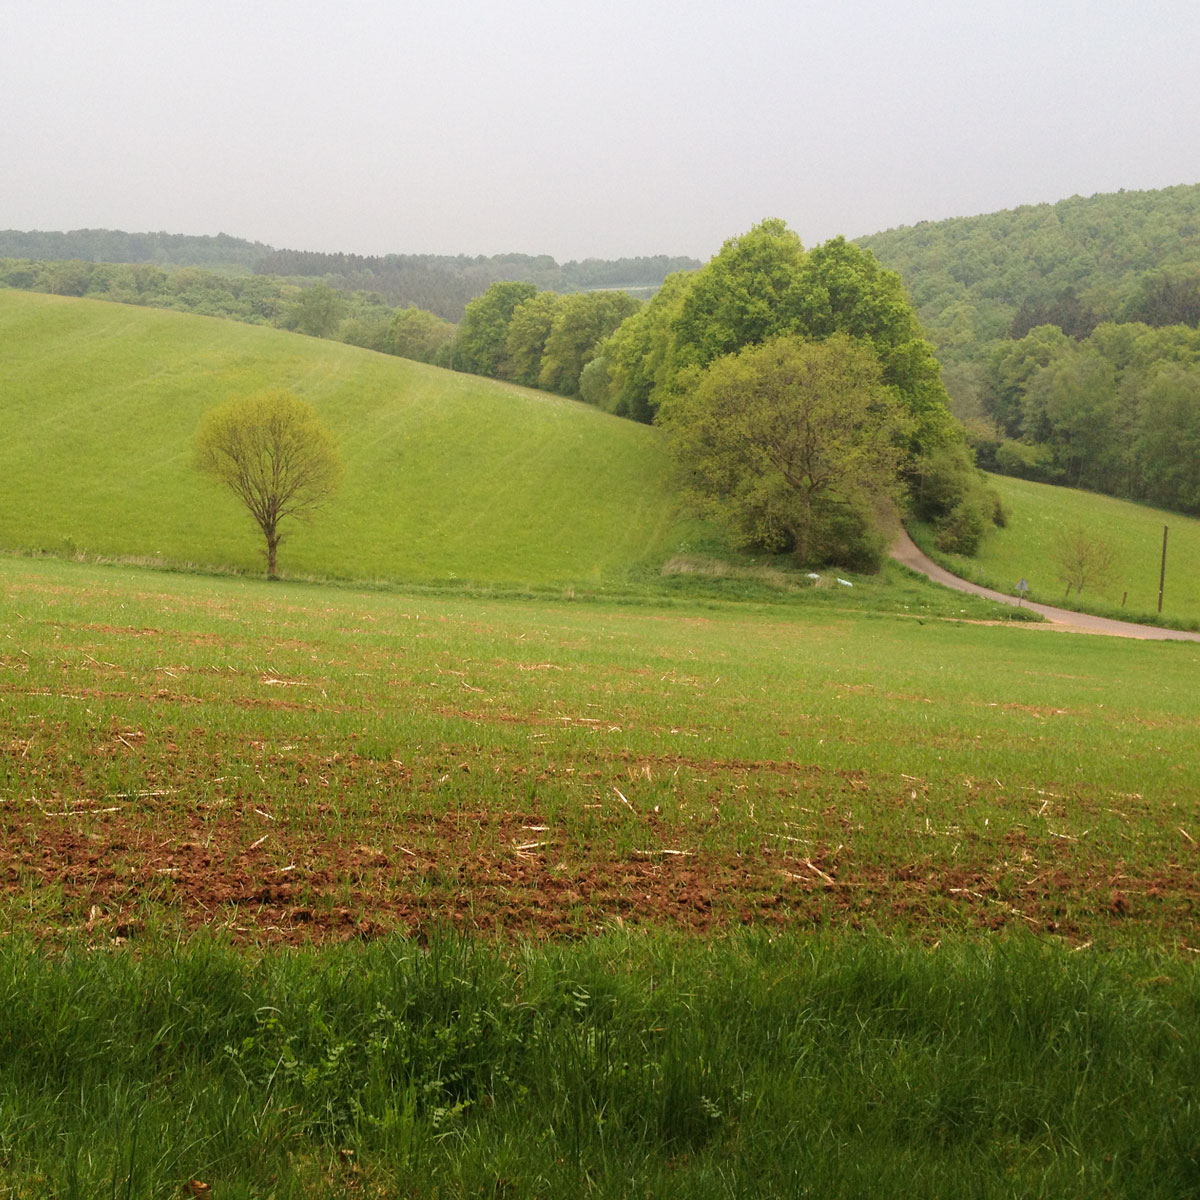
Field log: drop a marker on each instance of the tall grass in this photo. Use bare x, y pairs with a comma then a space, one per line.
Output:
623, 1066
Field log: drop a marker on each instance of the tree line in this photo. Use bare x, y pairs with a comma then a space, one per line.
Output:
871, 401
316, 309
1117, 411
444, 284
439, 283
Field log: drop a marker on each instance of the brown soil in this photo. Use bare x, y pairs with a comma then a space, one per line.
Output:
106, 873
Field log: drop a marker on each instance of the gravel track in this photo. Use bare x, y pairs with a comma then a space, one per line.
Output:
906, 552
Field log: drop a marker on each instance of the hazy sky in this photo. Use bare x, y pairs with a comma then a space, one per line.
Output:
581, 129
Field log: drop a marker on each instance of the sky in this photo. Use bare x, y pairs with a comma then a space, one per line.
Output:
629, 127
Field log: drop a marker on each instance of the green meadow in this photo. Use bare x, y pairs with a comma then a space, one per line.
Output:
448, 476
317, 891
1038, 514
524, 842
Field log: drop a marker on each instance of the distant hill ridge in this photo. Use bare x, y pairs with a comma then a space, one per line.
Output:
441, 283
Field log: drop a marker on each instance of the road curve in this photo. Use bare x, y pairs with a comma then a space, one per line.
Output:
905, 551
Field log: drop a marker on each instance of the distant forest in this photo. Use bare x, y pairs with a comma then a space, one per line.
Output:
1123, 256
441, 284
1068, 336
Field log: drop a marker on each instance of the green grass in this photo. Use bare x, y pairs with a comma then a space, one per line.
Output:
313, 890
1026, 550
816, 763
625, 1066
448, 476
309, 891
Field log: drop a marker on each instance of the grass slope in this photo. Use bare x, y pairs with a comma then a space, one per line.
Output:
447, 475
1038, 515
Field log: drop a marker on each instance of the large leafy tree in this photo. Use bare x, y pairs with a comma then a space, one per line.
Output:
581, 321
316, 311
764, 284
274, 455
795, 444
531, 323
639, 357
843, 289
1168, 445
480, 344
417, 334
742, 296
1013, 367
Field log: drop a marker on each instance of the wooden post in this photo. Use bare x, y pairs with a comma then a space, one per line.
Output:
1162, 575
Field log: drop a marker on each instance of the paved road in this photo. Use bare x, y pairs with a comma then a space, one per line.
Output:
904, 550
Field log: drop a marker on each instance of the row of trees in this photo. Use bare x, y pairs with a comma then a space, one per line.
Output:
539, 339
1116, 412
579, 320
358, 318
439, 283
445, 284
765, 338
220, 251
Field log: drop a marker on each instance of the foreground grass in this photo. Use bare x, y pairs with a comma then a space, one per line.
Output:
623, 1066
295, 880
1038, 514
447, 475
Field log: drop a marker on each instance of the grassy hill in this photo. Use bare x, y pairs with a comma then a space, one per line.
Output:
1040, 513
448, 476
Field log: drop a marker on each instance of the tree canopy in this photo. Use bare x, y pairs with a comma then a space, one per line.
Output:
1053, 321
795, 444
762, 285
1118, 412
274, 455
743, 296
581, 322
481, 342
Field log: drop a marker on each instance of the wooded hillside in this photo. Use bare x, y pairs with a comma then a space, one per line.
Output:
1125, 256
1068, 337
440, 283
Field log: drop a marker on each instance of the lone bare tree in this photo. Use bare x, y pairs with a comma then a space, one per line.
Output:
1082, 557
274, 455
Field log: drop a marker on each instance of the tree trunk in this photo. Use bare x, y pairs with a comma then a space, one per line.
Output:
272, 555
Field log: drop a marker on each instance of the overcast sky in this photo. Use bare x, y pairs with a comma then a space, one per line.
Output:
581, 129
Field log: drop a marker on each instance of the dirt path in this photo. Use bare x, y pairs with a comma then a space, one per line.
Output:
905, 551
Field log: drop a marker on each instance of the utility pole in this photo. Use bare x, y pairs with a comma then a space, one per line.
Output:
1162, 574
